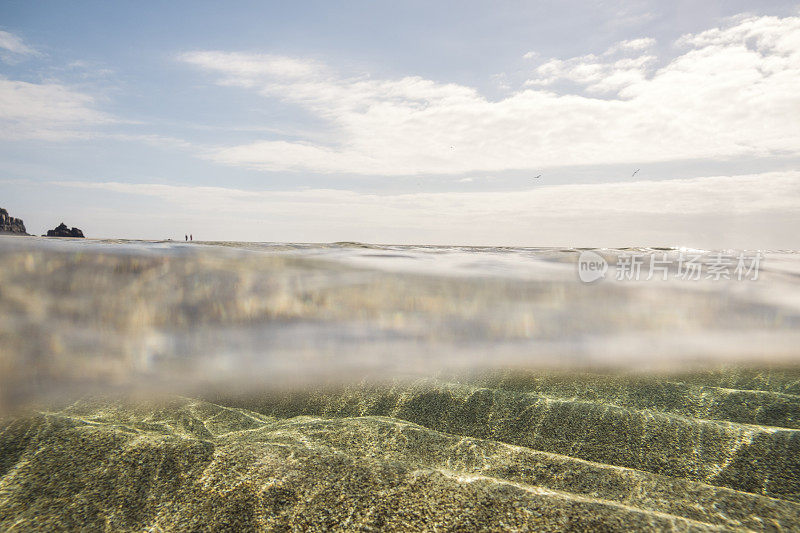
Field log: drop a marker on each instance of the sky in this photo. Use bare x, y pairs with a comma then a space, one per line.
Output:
649, 123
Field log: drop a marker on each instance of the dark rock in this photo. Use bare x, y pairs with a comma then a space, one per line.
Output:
63, 231
9, 224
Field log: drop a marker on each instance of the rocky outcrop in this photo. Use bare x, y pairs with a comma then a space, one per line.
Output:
63, 231
9, 224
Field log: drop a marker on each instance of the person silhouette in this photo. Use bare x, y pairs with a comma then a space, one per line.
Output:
186, 238
191, 237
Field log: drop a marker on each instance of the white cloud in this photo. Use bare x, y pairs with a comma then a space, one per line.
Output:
598, 74
634, 45
747, 211
160, 141
12, 48
243, 69
731, 93
715, 195
47, 111
752, 211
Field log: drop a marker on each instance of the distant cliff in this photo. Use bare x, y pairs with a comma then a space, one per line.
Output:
9, 224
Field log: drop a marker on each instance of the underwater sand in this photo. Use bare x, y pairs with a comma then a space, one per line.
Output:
544, 452
163, 387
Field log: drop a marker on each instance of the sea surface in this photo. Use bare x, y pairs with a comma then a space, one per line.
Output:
170, 386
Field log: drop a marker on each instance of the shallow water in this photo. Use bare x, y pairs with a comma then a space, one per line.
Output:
513, 450
78, 314
166, 386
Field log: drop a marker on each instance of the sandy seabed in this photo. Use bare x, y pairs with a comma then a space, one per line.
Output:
502, 451
361, 387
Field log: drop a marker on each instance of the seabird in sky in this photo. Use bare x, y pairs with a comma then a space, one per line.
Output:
635, 172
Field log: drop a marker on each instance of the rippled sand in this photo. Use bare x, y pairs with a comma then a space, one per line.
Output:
172, 387
524, 451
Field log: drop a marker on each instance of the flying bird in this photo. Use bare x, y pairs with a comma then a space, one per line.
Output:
635, 172
537, 177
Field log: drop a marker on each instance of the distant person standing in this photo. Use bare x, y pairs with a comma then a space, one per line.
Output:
186, 238
191, 238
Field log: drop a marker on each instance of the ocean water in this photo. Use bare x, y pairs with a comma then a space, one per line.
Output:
260, 386
78, 314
